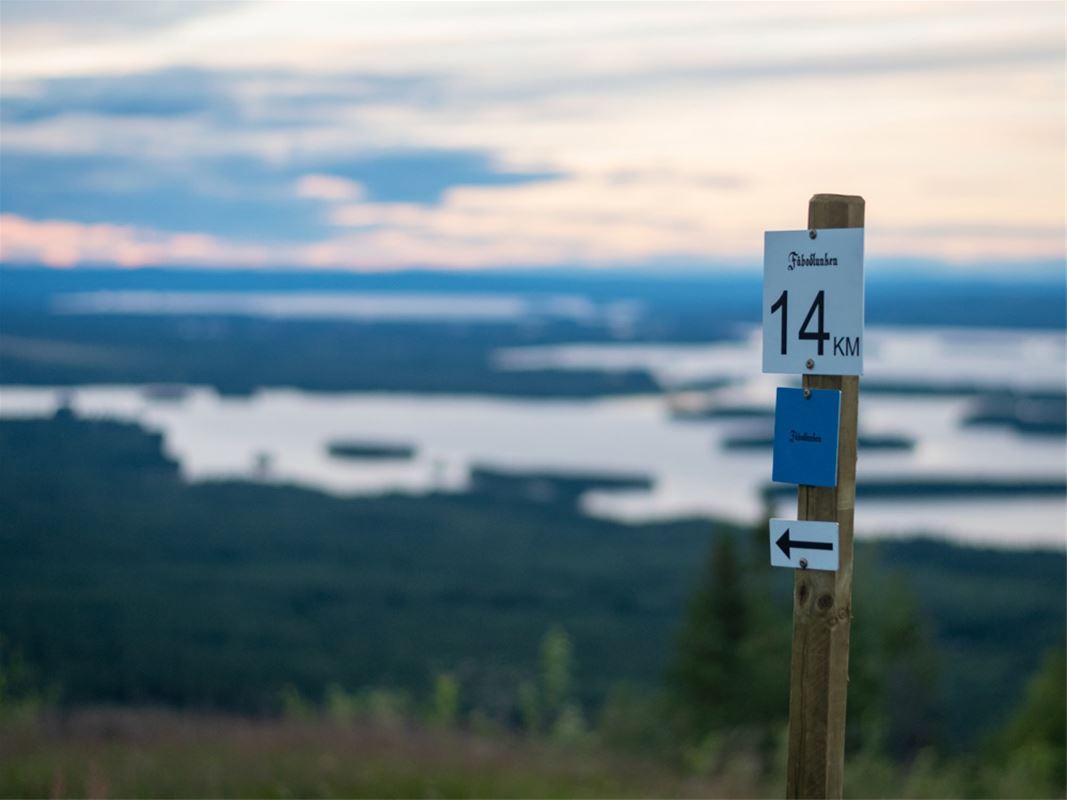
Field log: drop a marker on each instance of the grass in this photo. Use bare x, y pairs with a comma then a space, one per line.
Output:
158, 753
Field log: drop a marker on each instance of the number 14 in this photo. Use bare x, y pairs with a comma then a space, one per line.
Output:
819, 336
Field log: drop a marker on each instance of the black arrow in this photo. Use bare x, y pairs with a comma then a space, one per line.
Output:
785, 543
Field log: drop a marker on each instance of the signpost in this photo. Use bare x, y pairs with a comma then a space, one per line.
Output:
813, 326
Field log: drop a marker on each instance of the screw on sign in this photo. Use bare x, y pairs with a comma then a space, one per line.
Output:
813, 301
804, 544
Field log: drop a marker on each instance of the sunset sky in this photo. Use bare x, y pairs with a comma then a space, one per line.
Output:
367, 136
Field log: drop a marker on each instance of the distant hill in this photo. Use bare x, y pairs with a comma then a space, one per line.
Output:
909, 295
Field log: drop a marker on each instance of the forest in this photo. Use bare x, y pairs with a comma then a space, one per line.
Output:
494, 611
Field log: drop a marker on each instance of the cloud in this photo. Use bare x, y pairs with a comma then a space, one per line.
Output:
423, 176
261, 98
361, 135
574, 221
56, 22
239, 198
329, 187
165, 93
126, 15
59, 243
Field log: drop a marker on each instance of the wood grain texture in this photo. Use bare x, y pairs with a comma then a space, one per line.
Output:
822, 601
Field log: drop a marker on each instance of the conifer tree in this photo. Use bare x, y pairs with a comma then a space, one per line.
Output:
708, 667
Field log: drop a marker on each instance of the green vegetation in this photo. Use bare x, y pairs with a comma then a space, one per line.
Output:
1034, 743
228, 353
764, 441
371, 450
504, 642
1030, 414
124, 584
554, 487
947, 487
163, 754
723, 412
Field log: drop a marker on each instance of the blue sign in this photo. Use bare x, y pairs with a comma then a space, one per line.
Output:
805, 436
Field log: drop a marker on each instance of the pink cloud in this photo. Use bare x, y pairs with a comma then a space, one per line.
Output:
328, 187
60, 243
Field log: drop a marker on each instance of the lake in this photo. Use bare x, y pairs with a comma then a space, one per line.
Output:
283, 435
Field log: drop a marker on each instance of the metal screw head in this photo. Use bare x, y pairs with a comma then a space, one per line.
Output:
807, 393
810, 363
812, 233
803, 563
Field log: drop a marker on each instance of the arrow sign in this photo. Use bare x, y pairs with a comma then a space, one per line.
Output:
785, 543
804, 544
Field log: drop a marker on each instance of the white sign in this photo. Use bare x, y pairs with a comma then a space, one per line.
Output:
813, 301
804, 544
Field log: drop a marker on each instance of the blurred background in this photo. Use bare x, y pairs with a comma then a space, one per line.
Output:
381, 410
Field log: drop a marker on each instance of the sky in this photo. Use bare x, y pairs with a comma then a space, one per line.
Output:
368, 136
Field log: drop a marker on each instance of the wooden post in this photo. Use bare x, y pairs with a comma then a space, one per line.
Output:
822, 601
